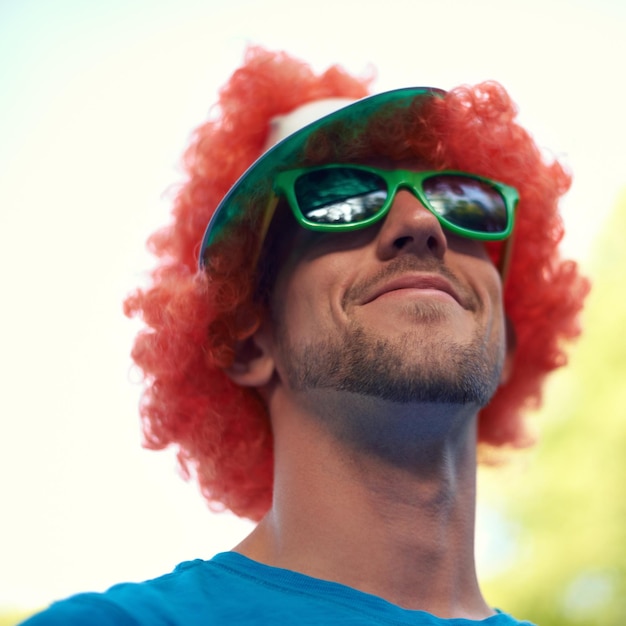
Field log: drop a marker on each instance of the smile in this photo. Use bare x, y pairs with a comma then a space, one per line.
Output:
420, 285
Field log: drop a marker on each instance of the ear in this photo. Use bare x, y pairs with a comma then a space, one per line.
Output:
253, 365
511, 351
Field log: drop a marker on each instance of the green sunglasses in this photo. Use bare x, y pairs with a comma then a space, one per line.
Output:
344, 197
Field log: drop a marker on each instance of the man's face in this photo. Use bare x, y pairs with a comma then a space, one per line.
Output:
402, 311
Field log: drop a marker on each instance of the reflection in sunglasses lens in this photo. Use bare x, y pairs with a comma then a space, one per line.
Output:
340, 195
467, 202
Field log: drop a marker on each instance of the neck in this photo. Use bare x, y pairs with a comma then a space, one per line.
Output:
386, 508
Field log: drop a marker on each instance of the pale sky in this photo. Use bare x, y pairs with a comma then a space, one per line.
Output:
97, 101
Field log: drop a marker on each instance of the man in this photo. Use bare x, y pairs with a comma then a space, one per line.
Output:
377, 298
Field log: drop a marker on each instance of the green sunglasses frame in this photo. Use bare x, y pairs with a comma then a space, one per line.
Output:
284, 185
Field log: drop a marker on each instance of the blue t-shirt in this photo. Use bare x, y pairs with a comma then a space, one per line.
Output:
232, 589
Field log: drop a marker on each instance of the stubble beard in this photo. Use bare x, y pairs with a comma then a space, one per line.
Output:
408, 368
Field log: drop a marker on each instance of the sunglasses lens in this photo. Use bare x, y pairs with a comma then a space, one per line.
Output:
340, 195
467, 202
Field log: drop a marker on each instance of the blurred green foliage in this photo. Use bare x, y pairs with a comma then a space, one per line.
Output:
11, 618
563, 504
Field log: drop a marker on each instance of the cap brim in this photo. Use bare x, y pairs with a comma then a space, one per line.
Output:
289, 152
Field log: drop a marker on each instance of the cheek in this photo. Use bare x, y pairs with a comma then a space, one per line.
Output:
475, 264
496, 318
470, 248
294, 299
307, 299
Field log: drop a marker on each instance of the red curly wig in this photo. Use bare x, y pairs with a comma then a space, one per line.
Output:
194, 318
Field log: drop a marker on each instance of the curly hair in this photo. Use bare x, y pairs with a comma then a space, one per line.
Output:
193, 318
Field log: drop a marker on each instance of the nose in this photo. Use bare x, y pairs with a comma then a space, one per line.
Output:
410, 227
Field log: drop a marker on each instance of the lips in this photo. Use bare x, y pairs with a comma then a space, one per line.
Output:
413, 281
